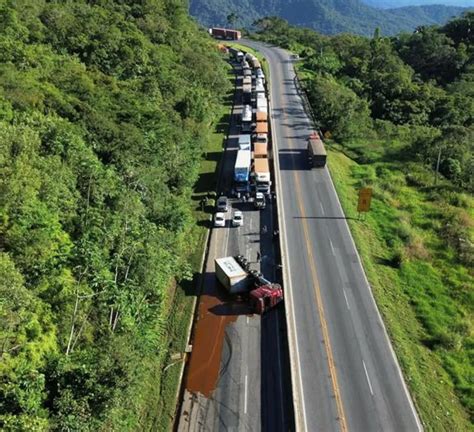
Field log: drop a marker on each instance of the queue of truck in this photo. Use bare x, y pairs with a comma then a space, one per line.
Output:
256, 177
251, 177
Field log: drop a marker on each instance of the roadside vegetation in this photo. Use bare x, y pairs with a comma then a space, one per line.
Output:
395, 111
106, 109
162, 410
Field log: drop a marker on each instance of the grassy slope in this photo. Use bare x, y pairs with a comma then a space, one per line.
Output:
415, 293
159, 413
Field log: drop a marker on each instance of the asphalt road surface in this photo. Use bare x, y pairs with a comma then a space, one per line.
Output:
345, 374
238, 376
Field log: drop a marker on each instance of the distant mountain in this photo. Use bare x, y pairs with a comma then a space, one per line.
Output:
325, 16
387, 4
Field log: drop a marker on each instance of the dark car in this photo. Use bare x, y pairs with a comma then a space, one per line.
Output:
222, 204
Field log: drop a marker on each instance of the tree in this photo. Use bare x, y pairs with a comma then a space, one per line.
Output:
338, 108
433, 55
232, 19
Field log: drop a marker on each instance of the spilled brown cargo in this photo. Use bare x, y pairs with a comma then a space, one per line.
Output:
215, 312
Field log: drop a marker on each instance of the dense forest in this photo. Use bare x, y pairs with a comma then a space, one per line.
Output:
104, 110
325, 16
398, 115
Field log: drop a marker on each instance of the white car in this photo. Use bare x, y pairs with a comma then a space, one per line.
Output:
219, 219
237, 218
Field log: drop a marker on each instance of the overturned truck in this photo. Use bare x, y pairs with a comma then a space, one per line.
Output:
235, 275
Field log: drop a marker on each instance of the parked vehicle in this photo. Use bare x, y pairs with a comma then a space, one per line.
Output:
261, 116
236, 277
222, 204
247, 93
259, 87
261, 175
242, 171
262, 103
236, 54
255, 63
260, 150
249, 57
316, 152
260, 201
244, 142
247, 80
237, 218
261, 133
246, 124
219, 219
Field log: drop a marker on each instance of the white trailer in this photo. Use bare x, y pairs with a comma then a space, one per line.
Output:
262, 103
259, 87
231, 275
244, 142
246, 123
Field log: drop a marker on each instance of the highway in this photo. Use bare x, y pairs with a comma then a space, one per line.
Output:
237, 378
345, 376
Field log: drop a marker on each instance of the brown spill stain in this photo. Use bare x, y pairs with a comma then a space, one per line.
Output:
216, 310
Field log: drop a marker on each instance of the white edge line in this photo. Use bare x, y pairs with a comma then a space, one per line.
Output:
345, 296
371, 294
227, 235
245, 395
368, 379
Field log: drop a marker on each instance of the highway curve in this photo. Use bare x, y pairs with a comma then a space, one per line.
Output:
345, 374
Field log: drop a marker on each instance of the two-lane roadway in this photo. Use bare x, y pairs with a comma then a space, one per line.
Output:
344, 371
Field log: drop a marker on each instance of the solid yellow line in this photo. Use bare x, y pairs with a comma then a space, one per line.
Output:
322, 316
319, 302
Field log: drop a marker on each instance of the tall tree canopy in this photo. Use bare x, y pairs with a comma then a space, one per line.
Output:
104, 109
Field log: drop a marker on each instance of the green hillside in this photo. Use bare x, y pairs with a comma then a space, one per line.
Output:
398, 116
105, 109
325, 16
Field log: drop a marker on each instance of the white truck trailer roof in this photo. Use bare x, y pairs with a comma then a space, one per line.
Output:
231, 275
245, 142
247, 113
